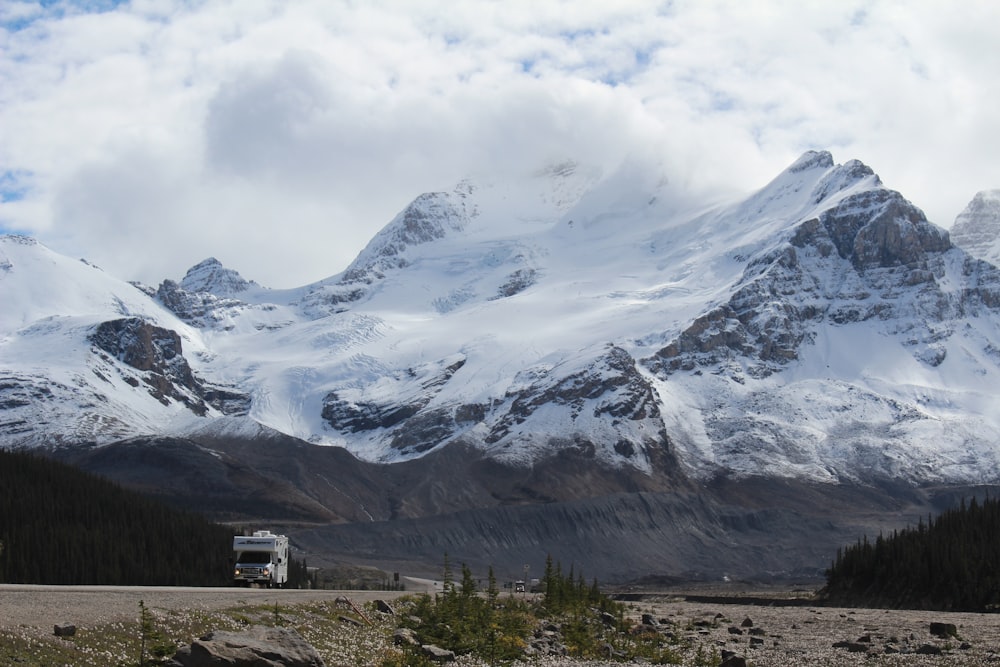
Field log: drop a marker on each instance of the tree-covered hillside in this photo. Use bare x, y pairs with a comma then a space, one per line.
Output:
59, 525
951, 562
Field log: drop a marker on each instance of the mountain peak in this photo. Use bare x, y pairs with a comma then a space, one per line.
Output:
481, 317
211, 276
812, 160
977, 228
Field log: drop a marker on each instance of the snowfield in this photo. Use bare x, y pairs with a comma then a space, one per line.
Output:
819, 328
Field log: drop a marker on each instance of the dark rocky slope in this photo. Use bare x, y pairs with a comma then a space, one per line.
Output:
613, 525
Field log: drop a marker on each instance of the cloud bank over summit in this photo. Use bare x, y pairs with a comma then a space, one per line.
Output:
279, 137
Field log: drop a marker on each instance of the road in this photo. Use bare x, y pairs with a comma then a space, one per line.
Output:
44, 606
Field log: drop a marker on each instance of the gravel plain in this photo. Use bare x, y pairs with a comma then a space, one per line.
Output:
779, 635
44, 606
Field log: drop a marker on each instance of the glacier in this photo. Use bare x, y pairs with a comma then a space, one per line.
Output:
818, 329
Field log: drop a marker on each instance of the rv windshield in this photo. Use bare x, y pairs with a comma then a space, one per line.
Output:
254, 557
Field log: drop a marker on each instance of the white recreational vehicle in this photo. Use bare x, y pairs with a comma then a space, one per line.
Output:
261, 558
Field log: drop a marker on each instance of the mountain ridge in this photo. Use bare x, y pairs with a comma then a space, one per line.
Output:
586, 353
574, 319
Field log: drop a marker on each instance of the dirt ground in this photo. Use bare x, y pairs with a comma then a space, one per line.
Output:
45, 606
778, 636
765, 634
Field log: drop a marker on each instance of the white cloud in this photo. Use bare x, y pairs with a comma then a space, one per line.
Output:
280, 136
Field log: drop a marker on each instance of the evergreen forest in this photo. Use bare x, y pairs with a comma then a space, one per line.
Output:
950, 563
60, 525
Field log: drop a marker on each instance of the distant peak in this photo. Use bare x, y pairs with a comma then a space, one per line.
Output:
205, 263
977, 227
211, 276
985, 197
812, 160
19, 239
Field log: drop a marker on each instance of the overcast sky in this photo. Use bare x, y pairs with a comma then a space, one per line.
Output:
279, 136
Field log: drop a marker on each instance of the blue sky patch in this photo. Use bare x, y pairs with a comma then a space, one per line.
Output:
13, 185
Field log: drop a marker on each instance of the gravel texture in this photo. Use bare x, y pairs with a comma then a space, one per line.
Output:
45, 606
801, 635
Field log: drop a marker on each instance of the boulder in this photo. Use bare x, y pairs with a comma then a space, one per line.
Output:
256, 647
65, 630
943, 630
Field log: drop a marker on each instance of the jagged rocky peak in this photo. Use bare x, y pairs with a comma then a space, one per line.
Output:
977, 228
211, 276
866, 222
428, 218
879, 228
812, 160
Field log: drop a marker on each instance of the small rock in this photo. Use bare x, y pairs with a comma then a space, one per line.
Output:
437, 654
649, 619
929, 649
734, 661
757, 632
756, 641
384, 607
747, 623
405, 637
733, 630
853, 647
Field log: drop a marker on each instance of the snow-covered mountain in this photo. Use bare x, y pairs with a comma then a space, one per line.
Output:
977, 228
819, 329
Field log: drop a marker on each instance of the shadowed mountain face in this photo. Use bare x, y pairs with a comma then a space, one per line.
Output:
617, 527
569, 361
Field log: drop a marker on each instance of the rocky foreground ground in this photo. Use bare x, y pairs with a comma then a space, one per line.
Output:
765, 634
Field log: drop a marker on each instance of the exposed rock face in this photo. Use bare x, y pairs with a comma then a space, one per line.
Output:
785, 294
212, 277
256, 647
765, 322
516, 282
198, 308
977, 228
611, 387
879, 228
420, 385
156, 352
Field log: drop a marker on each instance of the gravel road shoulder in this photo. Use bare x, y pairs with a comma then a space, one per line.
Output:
44, 606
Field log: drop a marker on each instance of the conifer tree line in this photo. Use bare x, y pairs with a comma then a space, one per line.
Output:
60, 525
950, 563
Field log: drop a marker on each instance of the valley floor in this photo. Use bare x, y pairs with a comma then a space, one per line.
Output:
782, 635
